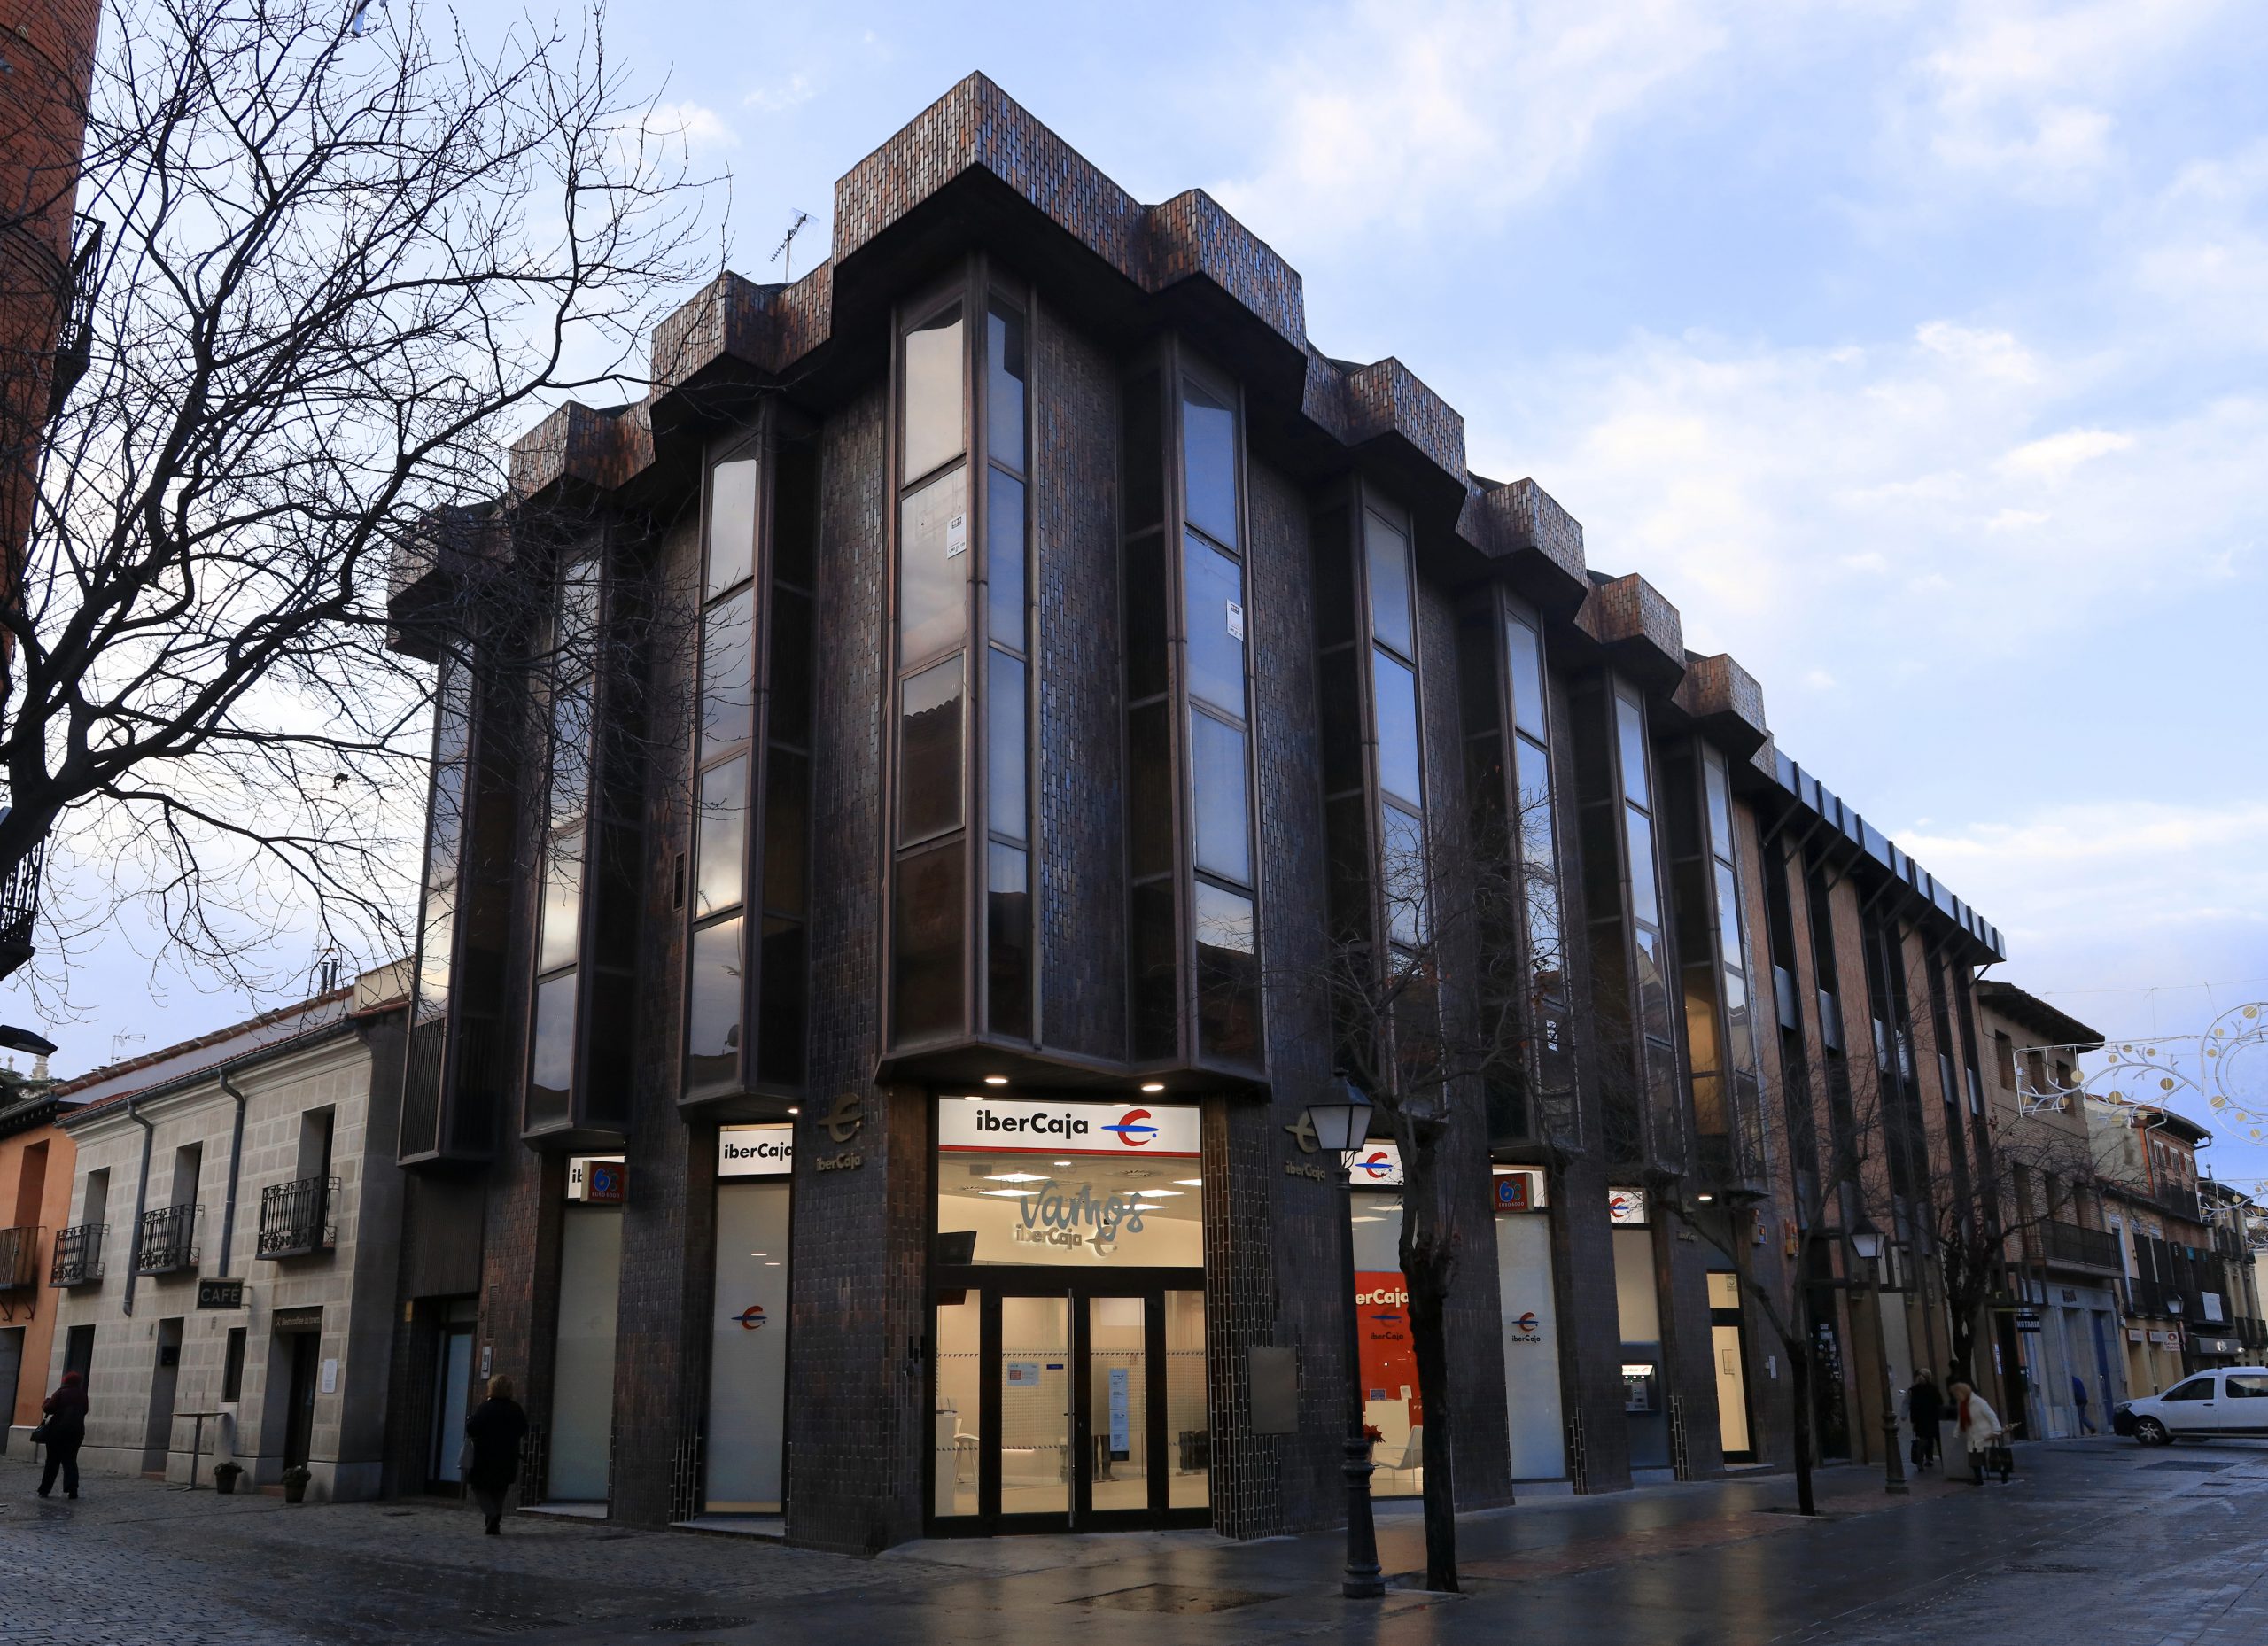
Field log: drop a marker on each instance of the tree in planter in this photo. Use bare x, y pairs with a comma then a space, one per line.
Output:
342, 262
1428, 1023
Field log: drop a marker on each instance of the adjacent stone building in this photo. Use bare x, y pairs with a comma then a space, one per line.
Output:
867, 1001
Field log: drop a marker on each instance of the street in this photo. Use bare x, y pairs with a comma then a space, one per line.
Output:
2100, 1541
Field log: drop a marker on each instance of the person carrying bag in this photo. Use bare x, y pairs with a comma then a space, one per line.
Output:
62, 1431
1983, 1434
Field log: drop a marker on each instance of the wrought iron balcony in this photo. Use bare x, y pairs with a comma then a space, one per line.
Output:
19, 906
295, 1218
168, 1242
18, 1257
78, 1256
2069, 1245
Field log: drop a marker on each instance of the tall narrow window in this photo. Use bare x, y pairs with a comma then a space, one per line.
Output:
569, 703
1007, 687
1719, 1030
445, 833
931, 672
716, 995
1152, 954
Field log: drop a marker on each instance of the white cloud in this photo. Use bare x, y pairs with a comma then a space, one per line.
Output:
2054, 458
697, 126
792, 92
1397, 110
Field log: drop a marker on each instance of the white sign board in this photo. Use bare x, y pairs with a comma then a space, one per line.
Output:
330, 1377
1376, 1166
579, 1172
756, 1150
1011, 1126
1626, 1205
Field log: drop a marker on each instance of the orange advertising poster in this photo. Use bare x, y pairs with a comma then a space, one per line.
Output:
1382, 1322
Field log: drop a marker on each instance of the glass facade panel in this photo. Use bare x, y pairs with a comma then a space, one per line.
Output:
1007, 918
929, 746
932, 393
1390, 603
1004, 559
1399, 771
1208, 443
713, 987
955, 1465
1720, 806
1217, 776
1228, 976
1645, 889
552, 1060
1187, 1429
1530, 712
1538, 851
1005, 802
932, 559
1402, 858
732, 524
1728, 916
563, 902
720, 838
1214, 584
1630, 727
932, 897
1004, 356
728, 672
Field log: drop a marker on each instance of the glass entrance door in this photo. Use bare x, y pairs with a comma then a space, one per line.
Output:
1069, 1403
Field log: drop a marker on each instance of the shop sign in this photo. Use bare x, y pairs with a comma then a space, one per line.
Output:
1626, 1205
1376, 1166
1013, 1126
299, 1319
756, 1150
1518, 1191
599, 1179
219, 1294
1023, 1374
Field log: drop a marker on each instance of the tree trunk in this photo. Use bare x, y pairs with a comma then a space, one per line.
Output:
1429, 1339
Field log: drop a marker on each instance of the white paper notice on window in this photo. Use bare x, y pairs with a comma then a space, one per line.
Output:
330, 1377
1236, 620
956, 535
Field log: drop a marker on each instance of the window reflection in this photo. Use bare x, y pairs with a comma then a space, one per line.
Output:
1005, 750
1214, 585
1402, 854
727, 680
1397, 703
932, 392
1630, 726
1645, 895
720, 838
1217, 776
1529, 710
563, 902
929, 741
1005, 385
933, 554
1008, 939
1390, 606
1228, 976
1004, 559
1208, 442
926, 991
732, 524
713, 979
551, 1062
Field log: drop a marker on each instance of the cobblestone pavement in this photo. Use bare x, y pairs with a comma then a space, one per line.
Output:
2095, 1544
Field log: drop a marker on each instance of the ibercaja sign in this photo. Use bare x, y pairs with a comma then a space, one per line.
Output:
1013, 1126
756, 1150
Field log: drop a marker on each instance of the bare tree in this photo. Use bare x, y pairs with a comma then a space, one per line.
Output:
343, 260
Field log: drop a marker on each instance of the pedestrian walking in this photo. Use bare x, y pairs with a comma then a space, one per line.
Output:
1982, 1433
2079, 1399
1925, 1409
63, 1429
495, 1430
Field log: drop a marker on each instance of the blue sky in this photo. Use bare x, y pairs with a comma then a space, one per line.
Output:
1914, 351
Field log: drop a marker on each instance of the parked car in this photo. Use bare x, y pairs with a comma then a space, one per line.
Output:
2227, 1403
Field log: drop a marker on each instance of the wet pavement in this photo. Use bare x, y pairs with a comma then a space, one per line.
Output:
2098, 1543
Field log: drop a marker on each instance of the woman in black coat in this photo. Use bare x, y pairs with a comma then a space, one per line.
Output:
1925, 1409
63, 1432
496, 1428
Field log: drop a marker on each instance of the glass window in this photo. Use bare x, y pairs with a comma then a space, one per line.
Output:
732, 524
1005, 799
1630, 722
1530, 711
1645, 893
2196, 1389
1216, 627
926, 980
1007, 939
1208, 450
1533, 773
1389, 555
712, 1041
720, 838
551, 1062
1721, 805
2246, 1386
933, 556
437, 938
787, 846
929, 739
1402, 851
1397, 712
1216, 772
1003, 353
728, 672
563, 902
1728, 917
932, 392
1228, 974
1653, 983
1004, 558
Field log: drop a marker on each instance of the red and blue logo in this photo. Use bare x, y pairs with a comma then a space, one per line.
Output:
1134, 1129
1378, 1163
1526, 1324
750, 1317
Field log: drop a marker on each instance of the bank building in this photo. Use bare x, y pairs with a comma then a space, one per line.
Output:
852, 1082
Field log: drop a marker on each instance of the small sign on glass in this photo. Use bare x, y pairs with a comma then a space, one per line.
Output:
1236, 620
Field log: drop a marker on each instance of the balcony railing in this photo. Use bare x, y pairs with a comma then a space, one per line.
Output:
18, 1257
168, 1242
78, 1256
295, 1218
19, 906
2083, 1248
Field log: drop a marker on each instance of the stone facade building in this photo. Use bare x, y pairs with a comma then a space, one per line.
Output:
862, 1035
231, 1247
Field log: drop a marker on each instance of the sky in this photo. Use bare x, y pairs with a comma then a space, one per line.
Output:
1918, 352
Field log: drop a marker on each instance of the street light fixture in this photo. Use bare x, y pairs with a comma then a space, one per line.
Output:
1866, 1245
1342, 1125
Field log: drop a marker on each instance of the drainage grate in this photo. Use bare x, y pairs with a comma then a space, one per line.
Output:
1172, 1598
2190, 1465
697, 1623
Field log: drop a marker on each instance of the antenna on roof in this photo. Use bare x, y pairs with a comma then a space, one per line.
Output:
785, 254
120, 1041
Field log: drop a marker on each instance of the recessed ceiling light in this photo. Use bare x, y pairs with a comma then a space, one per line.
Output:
1191, 1183
774, 1263
996, 1080
793, 1109
1014, 1177
1009, 1194
1159, 1194
1153, 1085
1062, 1162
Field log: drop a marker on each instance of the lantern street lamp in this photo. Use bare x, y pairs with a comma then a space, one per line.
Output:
1341, 1124
1866, 1245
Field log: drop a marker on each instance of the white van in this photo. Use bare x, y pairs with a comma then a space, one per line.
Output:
2227, 1403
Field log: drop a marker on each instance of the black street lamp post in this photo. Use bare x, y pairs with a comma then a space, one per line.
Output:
1341, 1127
